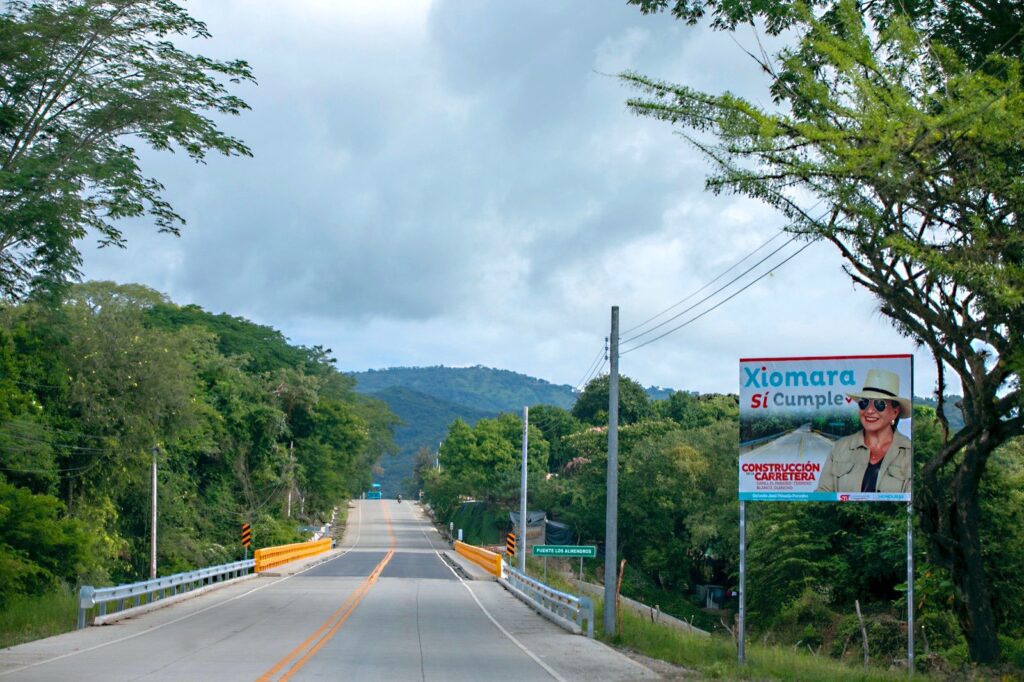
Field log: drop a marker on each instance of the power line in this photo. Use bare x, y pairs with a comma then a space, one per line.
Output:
722, 302
38, 441
712, 294
721, 275
590, 369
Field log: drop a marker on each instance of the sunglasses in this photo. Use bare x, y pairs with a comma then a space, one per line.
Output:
880, 405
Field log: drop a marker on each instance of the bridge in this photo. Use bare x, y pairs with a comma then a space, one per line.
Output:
392, 602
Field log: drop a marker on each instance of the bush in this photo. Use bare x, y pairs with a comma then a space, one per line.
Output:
940, 630
806, 616
887, 639
1013, 651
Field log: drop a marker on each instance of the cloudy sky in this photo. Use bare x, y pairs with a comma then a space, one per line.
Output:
459, 182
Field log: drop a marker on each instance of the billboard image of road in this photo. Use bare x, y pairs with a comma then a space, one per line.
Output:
805, 437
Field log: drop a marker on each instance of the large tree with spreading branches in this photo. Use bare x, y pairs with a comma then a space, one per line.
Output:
82, 84
912, 151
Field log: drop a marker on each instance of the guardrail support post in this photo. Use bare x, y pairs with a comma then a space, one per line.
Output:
84, 603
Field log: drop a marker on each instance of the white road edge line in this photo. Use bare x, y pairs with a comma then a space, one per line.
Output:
548, 669
359, 530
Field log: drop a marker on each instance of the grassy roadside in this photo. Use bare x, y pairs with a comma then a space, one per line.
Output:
715, 656
27, 618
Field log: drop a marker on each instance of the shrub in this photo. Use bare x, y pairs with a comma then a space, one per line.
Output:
809, 613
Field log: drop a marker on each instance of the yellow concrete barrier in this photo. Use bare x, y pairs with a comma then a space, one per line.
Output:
490, 561
269, 557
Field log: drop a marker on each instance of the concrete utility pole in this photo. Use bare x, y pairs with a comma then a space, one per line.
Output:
611, 523
152, 540
521, 545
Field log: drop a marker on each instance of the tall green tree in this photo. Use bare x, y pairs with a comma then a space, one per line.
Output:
82, 82
917, 158
592, 405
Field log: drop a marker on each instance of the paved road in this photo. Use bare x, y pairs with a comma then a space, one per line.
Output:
386, 606
799, 445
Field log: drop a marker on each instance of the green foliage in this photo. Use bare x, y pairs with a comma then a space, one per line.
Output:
555, 423
38, 547
25, 618
424, 423
94, 387
81, 82
592, 405
265, 349
485, 459
692, 411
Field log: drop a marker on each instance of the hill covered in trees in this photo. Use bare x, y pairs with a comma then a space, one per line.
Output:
480, 388
424, 424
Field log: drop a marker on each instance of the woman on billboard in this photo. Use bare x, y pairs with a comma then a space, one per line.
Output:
876, 459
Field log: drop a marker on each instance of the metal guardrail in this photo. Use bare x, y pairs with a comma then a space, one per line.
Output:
574, 609
486, 559
155, 589
270, 557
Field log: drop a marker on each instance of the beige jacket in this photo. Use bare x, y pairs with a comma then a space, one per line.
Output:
845, 466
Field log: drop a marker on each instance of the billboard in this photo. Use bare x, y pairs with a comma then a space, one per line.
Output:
826, 428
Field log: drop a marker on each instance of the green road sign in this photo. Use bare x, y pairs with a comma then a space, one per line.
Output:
584, 551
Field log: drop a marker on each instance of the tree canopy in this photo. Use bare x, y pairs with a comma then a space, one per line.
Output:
82, 83
89, 389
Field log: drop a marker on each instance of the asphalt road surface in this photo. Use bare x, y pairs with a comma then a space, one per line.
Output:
384, 606
799, 445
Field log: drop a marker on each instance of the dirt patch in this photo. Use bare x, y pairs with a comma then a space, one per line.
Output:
667, 671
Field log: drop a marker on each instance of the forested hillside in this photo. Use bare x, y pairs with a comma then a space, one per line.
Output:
245, 427
424, 424
481, 388
429, 399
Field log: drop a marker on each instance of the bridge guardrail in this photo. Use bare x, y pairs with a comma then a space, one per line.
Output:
485, 558
565, 609
155, 589
269, 557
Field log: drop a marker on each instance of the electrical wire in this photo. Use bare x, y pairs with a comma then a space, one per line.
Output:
590, 369
712, 294
722, 302
721, 275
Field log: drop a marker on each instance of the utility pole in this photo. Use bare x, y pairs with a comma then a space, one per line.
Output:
611, 524
521, 545
152, 540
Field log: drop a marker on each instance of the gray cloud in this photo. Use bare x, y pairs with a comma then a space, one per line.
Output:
460, 182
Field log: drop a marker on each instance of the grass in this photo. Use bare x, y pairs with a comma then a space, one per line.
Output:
24, 618
715, 656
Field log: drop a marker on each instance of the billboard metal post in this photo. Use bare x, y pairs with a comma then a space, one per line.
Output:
910, 588
741, 636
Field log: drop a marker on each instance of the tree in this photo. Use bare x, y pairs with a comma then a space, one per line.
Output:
554, 423
918, 159
592, 405
973, 29
80, 82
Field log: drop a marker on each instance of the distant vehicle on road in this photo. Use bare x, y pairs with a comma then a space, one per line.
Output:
374, 492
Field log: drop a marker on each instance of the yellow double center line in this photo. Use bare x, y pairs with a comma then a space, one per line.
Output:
325, 632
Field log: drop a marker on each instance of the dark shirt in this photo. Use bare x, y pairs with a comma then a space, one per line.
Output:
870, 481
